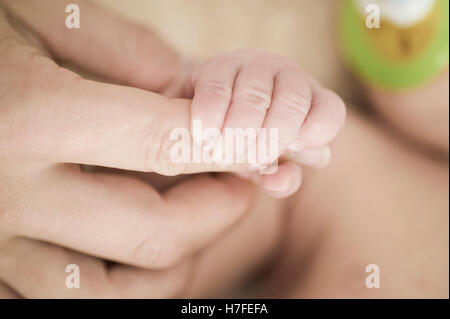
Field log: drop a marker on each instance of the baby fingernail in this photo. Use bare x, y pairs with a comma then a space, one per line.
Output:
295, 146
285, 191
326, 157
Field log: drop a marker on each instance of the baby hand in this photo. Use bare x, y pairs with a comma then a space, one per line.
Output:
254, 89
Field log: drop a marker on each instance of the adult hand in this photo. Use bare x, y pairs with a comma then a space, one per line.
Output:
52, 213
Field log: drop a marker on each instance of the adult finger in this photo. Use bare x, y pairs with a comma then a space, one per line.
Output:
123, 219
105, 43
7, 293
64, 118
41, 270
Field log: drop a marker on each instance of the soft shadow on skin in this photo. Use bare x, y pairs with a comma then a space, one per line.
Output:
7, 293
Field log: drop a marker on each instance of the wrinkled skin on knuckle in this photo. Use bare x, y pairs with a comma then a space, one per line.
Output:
153, 153
295, 103
159, 250
27, 77
140, 56
217, 88
33, 69
17, 195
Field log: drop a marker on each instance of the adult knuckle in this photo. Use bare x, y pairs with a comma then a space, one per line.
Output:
159, 250
31, 76
31, 71
153, 151
165, 164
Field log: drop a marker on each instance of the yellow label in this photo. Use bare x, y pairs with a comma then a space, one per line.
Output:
403, 43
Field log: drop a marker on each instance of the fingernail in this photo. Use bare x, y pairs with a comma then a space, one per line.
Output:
296, 146
318, 158
285, 191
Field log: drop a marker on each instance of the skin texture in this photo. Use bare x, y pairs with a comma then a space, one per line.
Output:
48, 121
253, 89
382, 199
342, 185
53, 120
